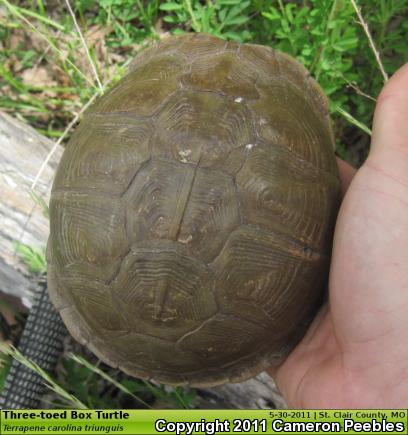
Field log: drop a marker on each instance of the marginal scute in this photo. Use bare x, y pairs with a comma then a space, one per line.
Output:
59, 296
195, 46
209, 342
286, 118
136, 98
159, 68
263, 60
167, 46
104, 352
76, 325
192, 213
94, 300
298, 75
155, 354
233, 46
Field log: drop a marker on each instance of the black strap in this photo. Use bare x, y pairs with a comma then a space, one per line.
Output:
41, 342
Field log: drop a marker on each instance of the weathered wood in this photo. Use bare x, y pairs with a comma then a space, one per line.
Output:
22, 151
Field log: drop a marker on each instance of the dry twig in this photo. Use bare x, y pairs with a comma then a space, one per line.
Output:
14, 11
370, 39
88, 54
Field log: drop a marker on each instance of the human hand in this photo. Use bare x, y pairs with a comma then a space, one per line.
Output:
355, 354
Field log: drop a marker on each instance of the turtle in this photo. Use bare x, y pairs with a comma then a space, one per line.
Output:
192, 213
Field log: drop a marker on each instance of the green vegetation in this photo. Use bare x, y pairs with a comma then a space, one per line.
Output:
34, 258
82, 384
5, 363
47, 76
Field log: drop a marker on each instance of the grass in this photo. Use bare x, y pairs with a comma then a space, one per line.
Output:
56, 58
51, 384
79, 56
81, 384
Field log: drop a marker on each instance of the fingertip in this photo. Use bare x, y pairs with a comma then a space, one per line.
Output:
396, 85
390, 124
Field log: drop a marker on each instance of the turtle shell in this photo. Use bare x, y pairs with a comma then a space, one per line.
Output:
192, 213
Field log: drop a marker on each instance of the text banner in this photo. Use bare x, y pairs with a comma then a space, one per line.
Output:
209, 422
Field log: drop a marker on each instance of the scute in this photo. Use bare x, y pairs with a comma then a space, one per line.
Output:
299, 76
195, 46
194, 206
104, 154
280, 192
182, 132
88, 228
162, 291
263, 59
94, 300
192, 213
77, 327
137, 98
138, 351
223, 74
208, 341
286, 118
261, 275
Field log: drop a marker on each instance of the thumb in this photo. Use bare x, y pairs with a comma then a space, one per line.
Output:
389, 145
368, 277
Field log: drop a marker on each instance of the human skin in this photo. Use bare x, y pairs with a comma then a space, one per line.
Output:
355, 354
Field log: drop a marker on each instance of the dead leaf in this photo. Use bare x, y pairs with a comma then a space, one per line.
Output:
160, 30
96, 33
37, 77
17, 39
37, 42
